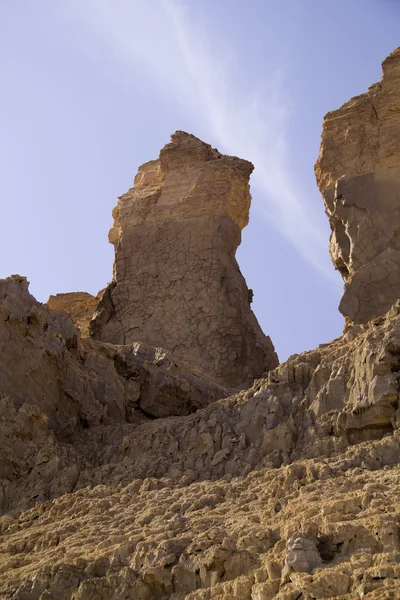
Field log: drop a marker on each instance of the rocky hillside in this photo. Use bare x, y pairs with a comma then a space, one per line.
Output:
135, 470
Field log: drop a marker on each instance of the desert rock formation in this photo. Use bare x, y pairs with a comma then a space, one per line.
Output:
358, 173
125, 473
80, 306
289, 487
176, 282
79, 383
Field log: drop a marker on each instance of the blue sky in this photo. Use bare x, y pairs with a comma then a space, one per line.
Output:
91, 89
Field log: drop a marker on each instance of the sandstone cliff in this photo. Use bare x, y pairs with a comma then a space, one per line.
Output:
176, 281
126, 473
358, 172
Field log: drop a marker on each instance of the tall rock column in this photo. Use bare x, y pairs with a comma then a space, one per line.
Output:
358, 173
176, 282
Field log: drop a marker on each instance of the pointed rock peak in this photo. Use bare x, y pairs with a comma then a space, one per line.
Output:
176, 281
186, 151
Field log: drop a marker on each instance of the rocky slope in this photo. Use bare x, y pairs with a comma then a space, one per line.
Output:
126, 473
285, 489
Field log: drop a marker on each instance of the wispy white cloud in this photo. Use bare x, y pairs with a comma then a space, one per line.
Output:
162, 42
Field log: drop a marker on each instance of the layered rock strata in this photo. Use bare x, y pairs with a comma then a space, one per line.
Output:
289, 488
176, 282
358, 173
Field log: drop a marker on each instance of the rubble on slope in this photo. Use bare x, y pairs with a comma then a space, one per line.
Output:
234, 500
54, 386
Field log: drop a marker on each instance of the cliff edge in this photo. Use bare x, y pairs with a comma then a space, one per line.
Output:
176, 282
358, 173
127, 473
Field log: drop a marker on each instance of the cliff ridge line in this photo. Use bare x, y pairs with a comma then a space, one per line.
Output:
176, 282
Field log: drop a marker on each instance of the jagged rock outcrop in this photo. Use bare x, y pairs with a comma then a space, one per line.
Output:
288, 490
80, 306
176, 282
358, 173
289, 487
54, 386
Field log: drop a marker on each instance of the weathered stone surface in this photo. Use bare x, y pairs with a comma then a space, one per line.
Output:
212, 504
79, 306
301, 557
53, 387
176, 282
288, 490
358, 173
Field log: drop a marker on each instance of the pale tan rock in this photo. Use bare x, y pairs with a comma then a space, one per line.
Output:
301, 557
361, 136
288, 490
79, 306
176, 282
108, 541
206, 505
358, 173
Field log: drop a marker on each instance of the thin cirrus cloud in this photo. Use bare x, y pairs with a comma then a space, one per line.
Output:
162, 42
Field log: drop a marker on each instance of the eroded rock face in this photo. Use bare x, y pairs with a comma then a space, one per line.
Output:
288, 488
176, 282
302, 556
358, 173
54, 386
79, 306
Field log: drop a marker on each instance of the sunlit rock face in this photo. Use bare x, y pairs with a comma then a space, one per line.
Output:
358, 173
176, 282
79, 306
289, 489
